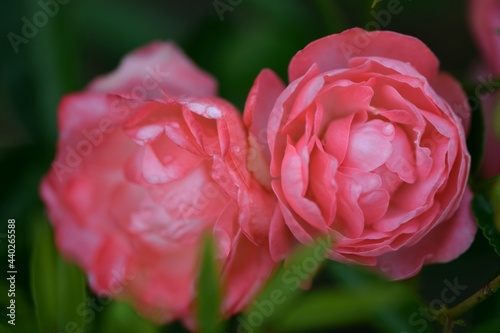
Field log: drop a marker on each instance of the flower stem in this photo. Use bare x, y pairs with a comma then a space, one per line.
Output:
449, 316
448, 326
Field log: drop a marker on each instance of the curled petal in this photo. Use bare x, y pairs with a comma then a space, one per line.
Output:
156, 68
442, 244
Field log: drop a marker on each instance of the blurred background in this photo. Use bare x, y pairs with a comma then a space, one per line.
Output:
233, 40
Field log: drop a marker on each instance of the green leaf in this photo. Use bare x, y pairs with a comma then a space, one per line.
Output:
71, 296
496, 120
476, 140
23, 308
484, 213
333, 308
58, 288
495, 199
285, 286
392, 320
43, 278
209, 291
4, 329
121, 318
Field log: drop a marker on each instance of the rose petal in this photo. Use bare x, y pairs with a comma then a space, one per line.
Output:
145, 72
335, 51
369, 145
444, 243
484, 19
294, 183
323, 168
338, 101
247, 269
350, 219
280, 117
449, 89
258, 106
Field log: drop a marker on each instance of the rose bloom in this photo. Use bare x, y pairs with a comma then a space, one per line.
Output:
364, 145
484, 21
148, 162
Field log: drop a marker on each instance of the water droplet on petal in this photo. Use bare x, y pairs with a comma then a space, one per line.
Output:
388, 130
213, 112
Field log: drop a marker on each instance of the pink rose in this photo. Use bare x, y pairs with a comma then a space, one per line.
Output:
484, 19
148, 161
364, 145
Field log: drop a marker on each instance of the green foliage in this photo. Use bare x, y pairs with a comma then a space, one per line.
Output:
5, 329
484, 213
496, 120
58, 288
495, 201
284, 287
121, 318
331, 308
389, 319
44, 279
209, 291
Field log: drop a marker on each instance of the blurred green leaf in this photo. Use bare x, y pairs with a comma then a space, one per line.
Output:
389, 319
209, 291
484, 213
496, 118
285, 286
495, 199
58, 288
121, 318
293, 274
23, 307
44, 278
337, 307
71, 295
4, 329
